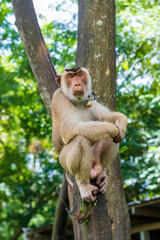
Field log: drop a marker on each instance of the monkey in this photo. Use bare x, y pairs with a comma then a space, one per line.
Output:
85, 133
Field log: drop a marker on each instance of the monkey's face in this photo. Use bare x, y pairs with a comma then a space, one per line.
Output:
76, 84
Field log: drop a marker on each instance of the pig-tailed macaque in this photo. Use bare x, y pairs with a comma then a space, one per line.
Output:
85, 133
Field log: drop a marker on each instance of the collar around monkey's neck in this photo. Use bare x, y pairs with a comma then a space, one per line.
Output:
91, 97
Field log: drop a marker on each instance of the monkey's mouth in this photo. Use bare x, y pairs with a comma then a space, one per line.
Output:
78, 93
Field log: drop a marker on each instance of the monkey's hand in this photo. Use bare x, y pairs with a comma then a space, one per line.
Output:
101, 181
113, 130
121, 133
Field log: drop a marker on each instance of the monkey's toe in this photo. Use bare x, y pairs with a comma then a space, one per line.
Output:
102, 179
103, 189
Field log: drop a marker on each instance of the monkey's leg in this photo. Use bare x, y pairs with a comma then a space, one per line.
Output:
109, 152
76, 157
96, 164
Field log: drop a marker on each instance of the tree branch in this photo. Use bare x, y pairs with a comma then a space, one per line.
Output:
59, 232
35, 47
17, 234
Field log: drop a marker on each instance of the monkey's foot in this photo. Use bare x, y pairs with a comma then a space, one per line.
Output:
101, 181
88, 192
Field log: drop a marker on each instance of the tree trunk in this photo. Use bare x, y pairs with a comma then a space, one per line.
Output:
17, 234
98, 226
117, 206
96, 50
35, 47
59, 232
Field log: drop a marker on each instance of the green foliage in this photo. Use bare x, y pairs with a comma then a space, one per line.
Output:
62, 43
29, 170
138, 95
85, 212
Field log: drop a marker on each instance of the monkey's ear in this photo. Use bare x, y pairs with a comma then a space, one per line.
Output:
58, 79
90, 72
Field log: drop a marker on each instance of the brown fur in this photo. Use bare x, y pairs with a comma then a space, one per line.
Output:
85, 137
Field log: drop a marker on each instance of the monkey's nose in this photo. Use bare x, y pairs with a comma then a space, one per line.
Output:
77, 85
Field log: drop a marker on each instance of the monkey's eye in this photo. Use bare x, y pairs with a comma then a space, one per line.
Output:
70, 75
80, 74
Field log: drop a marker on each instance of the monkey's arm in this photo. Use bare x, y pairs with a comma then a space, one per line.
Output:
69, 123
95, 130
102, 113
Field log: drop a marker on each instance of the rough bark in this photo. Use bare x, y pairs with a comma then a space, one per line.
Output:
96, 50
59, 232
35, 47
96, 46
117, 206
